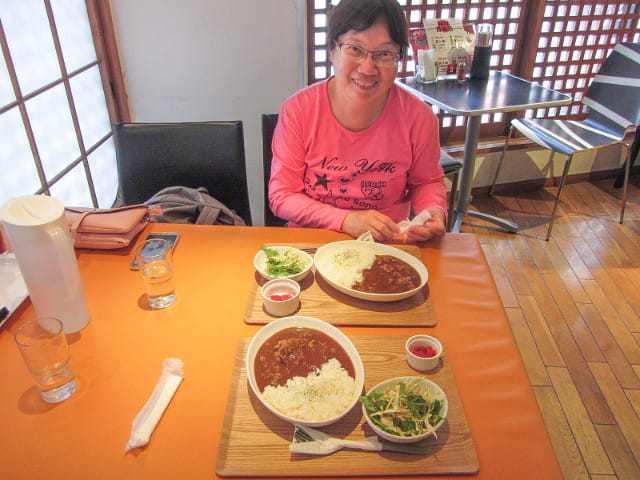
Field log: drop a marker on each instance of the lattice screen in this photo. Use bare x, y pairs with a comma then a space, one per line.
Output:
559, 44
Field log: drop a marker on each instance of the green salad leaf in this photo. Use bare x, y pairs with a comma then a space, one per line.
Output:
282, 264
404, 410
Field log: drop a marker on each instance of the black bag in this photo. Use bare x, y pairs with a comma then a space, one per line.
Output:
191, 205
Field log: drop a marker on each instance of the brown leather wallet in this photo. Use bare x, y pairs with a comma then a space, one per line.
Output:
106, 228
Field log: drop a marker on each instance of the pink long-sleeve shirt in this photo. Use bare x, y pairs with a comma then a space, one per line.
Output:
321, 171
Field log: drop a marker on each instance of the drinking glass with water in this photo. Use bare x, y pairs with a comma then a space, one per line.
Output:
43, 345
156, 266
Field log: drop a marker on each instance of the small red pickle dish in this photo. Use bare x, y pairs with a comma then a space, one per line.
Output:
424, 351
280, 297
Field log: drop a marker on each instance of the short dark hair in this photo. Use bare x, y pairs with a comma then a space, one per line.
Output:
359, 15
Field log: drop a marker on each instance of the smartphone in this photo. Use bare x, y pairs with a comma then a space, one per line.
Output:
171, 237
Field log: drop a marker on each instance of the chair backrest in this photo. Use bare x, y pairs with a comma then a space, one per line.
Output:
269, 121
613, 97
152, 156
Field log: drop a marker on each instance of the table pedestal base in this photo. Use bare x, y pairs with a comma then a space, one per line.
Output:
466, 179
506, 224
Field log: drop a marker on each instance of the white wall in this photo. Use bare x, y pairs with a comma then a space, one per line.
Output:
197, 60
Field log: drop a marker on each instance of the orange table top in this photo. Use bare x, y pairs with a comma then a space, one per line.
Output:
117, 360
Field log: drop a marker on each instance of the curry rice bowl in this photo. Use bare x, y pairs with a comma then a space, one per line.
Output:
282, 324
319, 396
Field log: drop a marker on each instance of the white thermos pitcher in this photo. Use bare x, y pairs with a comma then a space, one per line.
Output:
39, 236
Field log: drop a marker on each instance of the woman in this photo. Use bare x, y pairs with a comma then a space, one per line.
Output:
354, 153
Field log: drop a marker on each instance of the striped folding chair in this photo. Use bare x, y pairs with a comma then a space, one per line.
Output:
613, 99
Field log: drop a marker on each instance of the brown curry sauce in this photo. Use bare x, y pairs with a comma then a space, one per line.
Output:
388, 274
296, 352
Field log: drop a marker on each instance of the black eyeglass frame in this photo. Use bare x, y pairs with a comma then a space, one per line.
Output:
397, 56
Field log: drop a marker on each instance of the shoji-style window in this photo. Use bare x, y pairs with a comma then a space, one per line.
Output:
55, 117
557, 43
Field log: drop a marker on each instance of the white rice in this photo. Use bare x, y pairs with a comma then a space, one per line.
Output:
345, 267
321, 395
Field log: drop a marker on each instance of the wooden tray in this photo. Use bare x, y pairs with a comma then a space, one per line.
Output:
254, 442
318, 297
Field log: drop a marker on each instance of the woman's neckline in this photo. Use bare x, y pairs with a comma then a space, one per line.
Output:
367, 121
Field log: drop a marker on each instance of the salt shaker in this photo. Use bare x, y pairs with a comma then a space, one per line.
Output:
461, 71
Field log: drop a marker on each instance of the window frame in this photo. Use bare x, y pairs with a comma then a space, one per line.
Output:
108, 63
104, 39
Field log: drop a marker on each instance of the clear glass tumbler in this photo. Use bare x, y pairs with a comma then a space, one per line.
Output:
43, 345
156, 266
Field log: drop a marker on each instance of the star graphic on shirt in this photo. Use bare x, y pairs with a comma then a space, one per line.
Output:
322, 180
329, 198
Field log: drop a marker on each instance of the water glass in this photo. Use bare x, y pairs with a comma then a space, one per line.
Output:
43, 345
156, 266
426, 69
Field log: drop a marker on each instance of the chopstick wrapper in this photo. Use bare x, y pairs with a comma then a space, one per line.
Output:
145, 423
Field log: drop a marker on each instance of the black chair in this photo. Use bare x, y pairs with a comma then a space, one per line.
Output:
152, 156
269, 121
613, 99
450, 166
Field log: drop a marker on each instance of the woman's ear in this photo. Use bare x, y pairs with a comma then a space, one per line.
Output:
332, 52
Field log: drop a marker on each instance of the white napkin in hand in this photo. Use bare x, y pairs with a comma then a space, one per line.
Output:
419, 219
145, 423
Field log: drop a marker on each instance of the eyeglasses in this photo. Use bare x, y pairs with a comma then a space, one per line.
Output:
382, 58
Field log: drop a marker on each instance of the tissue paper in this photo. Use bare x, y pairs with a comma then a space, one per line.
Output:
145, 423
419, 219
13, 290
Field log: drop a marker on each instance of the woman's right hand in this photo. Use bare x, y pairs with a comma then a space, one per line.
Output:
360, 221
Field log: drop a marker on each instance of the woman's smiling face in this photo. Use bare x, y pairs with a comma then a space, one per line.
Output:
364, 81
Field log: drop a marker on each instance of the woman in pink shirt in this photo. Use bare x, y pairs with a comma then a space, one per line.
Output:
355, 152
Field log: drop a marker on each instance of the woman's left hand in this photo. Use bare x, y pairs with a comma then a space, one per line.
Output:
432, 228
380, 225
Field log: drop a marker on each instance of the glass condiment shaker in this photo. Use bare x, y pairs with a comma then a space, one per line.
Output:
461, 71
458, 55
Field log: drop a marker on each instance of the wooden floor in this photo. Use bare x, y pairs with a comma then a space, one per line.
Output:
574, 307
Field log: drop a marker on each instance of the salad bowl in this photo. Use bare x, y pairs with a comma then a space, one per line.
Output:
395, 399
282, 262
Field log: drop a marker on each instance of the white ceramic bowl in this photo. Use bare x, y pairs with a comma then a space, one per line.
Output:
325, 253
419, 362
313, 323
428, 386
260, 263
280, 286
